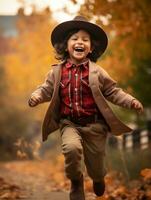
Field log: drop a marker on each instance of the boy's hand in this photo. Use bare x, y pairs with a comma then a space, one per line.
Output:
34, 100
137, 106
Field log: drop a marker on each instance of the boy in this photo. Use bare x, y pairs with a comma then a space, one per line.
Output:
77, 89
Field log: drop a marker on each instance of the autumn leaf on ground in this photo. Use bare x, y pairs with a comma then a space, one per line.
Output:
10, 191
102, 198
146, 174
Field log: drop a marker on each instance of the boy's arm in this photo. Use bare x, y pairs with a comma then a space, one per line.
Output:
44, 92
117, 96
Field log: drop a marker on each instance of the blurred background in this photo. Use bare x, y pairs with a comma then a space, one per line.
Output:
26, 56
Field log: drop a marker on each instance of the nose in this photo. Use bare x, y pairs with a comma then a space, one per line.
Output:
80, 41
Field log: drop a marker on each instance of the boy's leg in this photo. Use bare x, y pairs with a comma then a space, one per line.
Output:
94, 142
73, 152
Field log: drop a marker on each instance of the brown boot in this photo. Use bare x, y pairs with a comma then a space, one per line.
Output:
77, 190
99, 187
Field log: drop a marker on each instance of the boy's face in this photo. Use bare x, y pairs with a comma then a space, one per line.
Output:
79, 46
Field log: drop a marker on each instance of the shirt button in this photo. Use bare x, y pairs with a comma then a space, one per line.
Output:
76, 74
76, 103
76, 89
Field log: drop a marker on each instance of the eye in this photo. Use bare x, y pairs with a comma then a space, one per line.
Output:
86, 39
74, 38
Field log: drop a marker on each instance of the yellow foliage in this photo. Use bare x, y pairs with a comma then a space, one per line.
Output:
30, 59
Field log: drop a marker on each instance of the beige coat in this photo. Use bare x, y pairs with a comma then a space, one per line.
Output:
103, 89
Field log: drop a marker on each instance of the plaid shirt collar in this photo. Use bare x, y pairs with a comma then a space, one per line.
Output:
69, 64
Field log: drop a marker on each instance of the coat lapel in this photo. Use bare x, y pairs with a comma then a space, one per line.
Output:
116, 126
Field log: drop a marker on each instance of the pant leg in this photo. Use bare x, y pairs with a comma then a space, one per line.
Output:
94, 142
73, 151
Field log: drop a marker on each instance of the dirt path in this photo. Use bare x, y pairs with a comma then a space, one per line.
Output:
45, 180
30, 186
36, 180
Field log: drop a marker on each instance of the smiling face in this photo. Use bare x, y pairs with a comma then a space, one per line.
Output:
79, 46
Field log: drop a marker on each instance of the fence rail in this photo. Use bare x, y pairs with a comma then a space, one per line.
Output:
139, 138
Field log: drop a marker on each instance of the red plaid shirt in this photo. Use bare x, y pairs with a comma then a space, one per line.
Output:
75, 94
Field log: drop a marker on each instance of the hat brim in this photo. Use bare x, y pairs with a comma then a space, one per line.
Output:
60, 32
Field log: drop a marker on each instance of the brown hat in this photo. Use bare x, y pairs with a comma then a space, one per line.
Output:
80, 22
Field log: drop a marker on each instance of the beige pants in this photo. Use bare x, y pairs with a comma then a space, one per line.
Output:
83, 142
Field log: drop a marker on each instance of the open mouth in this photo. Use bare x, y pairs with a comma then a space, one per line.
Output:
79, 49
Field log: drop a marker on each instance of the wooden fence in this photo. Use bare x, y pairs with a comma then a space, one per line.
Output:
139, 138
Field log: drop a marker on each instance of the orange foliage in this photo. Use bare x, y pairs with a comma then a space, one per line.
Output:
30, 58
146, 174
10, 191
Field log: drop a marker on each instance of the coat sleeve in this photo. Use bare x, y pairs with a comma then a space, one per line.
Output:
115, 94
45, 90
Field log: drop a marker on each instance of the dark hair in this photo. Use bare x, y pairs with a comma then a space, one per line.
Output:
62, 53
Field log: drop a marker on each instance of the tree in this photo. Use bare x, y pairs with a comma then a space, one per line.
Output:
31, 57
25, 66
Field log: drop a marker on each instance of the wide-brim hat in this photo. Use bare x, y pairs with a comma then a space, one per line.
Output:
79, 22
